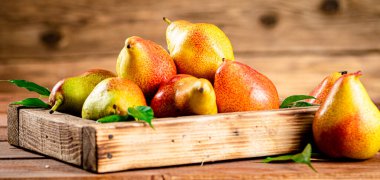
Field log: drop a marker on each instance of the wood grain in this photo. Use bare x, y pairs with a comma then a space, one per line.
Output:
197, 139
56, 135
8, 152
292, 74
49, 28
240, 169
13, 124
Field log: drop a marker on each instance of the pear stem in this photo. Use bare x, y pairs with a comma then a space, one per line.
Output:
57, 103
343, 72
167, 20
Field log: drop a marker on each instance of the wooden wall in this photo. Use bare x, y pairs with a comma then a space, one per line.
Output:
295, 43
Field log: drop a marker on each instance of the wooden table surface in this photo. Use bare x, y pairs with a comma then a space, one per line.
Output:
19, 163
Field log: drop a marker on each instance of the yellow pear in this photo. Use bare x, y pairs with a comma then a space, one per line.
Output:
112, 96
197, 49
145, 63
347, 125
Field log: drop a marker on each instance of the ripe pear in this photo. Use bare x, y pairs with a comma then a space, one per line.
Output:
112, 96
69, 94
347, 124
322, 90
145, 63
184, 95
239, 87
197, 49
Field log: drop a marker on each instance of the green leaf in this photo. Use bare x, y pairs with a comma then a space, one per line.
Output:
31, 86
143, 113
303, 157
293, 99
302, 104
112, 118
32, 102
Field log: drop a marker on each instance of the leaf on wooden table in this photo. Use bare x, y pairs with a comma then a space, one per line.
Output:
303, 157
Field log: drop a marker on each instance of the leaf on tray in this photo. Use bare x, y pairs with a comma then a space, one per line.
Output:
296, 101
143, 113
32, 102
112, 118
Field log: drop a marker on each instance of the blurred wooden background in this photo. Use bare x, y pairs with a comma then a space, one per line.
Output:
296, 43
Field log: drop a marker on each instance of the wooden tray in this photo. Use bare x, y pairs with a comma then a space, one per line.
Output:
184, 140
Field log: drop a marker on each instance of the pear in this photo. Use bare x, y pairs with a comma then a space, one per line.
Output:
184, 95
68, 95
322, 90
197, 49
347, 124
145, 63
112, 96
238, 87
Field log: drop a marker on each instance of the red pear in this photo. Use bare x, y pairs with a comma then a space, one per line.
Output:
239, 87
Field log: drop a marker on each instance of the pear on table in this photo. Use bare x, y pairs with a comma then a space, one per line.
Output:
197, 48
184, 95
322, 90
239, 87
347, 125
145, 63
69, 94
112, 96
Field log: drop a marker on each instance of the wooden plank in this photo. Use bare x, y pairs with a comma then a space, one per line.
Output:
57, 135
8, 152
3, 127
292, 74
243, 169
13, 124
89, 156
197, 139
260, 26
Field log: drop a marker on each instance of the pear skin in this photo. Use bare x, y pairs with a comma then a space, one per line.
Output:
184, 95
197, 49
163, 102
322, 90
112, 96
145, 63
238, 87
347, 124
68, 95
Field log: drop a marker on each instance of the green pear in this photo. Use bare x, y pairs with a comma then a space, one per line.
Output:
112, 96
68, 95
197, 48
347, 124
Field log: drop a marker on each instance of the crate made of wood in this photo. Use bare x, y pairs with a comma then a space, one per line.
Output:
174, 141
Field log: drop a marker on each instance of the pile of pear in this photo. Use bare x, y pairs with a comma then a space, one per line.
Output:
199, 76
196, 76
